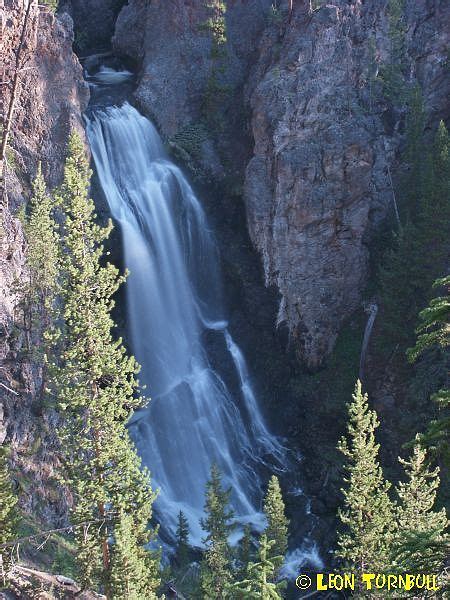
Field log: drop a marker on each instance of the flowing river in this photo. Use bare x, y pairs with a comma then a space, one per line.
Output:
173, 298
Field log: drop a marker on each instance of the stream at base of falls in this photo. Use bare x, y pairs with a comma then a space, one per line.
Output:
173, 298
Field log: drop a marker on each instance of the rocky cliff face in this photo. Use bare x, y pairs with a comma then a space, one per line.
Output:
325, 136
94, 21
52, 95
173, 47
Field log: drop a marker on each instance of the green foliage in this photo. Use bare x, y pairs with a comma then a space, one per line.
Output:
420, 544
434, 332
134, 573
189, 140
216, 89
391, 74
8, 504
365, 540
277, 523
259, 583
245, 551
434, 328
182, 535
216, 568
52, 4
216, 26
41, 289
420, 248
95, 382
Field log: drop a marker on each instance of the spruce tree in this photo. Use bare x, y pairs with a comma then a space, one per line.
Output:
277, 523
216, 569
8, 512
95, 382
259, 583
182, 535
364, 543
421, 544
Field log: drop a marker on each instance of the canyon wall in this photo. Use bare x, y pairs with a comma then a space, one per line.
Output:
52, 95
325, 135
326, 138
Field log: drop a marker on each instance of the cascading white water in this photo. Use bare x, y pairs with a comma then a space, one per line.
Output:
173, 297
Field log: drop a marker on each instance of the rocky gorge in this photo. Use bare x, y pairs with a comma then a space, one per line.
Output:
298, 177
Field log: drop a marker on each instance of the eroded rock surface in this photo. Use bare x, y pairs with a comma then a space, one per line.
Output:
324, 133
52, 95
324, 139
170, 41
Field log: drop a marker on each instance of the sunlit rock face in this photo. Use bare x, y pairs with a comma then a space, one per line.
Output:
324, 138
52, 94
324, 133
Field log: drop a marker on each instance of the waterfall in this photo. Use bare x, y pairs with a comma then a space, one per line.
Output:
173, 297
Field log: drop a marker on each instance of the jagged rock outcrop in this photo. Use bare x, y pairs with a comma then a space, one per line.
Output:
52, 96
94, 21
326, 137
174, 49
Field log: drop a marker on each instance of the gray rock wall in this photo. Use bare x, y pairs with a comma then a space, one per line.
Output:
324, 134
52, 97
324, 138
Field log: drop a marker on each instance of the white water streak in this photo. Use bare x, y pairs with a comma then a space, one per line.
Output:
173, 295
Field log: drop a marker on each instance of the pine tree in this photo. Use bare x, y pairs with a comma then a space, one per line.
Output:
245, 551
434, 209
134, 574
95, 382
421, 544
364, 543
434, 332
41, 232
8, 512
420, 249
216, 569
401, 288
182, 535
277, 523
259, 583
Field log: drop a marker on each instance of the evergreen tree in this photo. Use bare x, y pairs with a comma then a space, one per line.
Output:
245, 551
434, 332
277, 523
421, 544
401, 286
95, 382
182, 535
259, 583
216, 89
41, 232
434, 210
216, 569
364, 543
43, 245
420, 249
134, 573
8, 512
